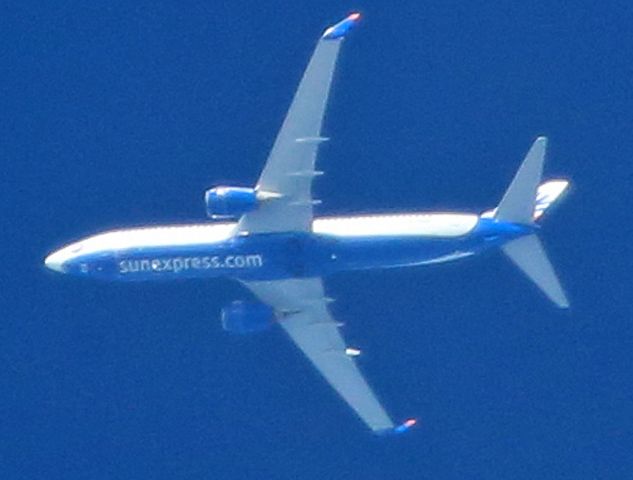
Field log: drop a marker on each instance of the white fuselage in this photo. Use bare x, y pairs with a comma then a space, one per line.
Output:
214, 249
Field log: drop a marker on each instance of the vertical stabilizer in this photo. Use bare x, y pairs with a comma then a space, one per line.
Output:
528, 254
517, 204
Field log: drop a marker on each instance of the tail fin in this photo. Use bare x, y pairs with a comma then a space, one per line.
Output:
517, 204
528, 254
523, 203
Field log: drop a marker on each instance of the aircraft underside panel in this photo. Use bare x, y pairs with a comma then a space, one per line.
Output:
276, 256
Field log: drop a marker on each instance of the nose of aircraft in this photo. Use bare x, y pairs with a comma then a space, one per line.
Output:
55, 261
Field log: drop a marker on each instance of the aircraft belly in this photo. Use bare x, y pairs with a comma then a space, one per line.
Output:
370, 253
274, 256
199, 261
256, 257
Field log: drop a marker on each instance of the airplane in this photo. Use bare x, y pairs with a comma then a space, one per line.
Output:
268, 239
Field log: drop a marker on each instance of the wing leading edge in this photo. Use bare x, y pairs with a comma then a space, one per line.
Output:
289, 169
301, 307
300, 304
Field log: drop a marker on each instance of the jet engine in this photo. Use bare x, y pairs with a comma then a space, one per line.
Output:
233, 202
247, 317
230, 202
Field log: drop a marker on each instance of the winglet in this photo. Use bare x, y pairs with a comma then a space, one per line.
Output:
400, 429
341, 28
405, 427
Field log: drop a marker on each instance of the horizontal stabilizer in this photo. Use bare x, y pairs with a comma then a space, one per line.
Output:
547, 194
528, 254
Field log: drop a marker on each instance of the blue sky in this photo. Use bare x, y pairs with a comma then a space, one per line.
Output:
117, 114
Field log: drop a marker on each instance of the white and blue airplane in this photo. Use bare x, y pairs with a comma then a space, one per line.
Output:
268, 239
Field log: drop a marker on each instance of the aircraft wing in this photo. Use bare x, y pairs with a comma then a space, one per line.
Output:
301, 307
287, 176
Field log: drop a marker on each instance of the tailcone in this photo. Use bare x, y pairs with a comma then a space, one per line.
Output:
492, 229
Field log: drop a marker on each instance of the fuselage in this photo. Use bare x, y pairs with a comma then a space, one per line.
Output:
335, 244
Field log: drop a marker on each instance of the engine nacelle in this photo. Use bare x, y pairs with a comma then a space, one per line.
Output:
230, 202
246, 317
